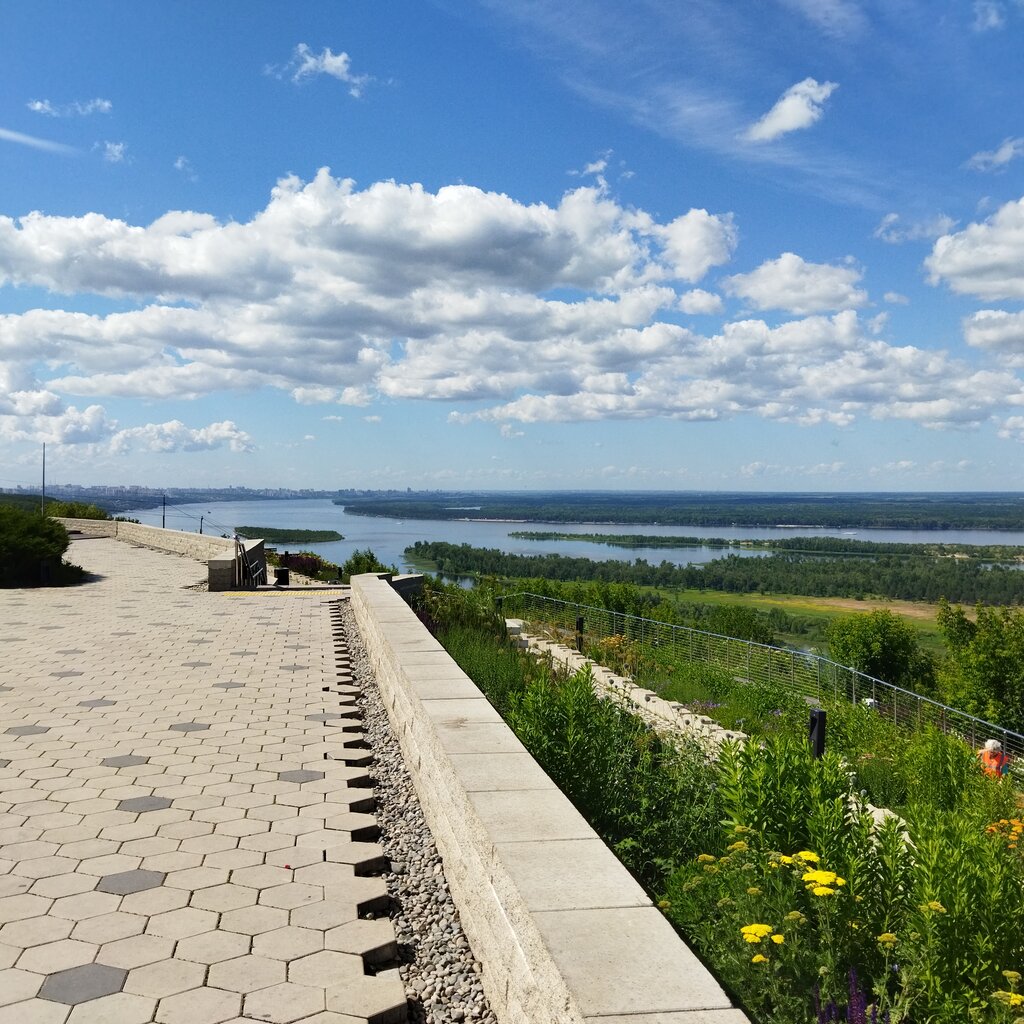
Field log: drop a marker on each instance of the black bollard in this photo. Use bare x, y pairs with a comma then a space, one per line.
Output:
816, 732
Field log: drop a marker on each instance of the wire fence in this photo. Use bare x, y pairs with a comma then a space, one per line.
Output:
809, 675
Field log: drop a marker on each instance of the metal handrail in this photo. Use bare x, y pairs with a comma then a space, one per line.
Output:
810, 675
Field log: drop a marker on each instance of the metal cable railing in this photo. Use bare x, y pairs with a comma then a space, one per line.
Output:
809, 675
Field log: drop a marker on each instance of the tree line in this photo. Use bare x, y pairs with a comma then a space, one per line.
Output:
887, 576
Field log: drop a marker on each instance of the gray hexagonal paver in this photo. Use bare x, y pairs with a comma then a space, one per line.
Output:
324, 717
189, 726
144, 803
229, 686
124, 882
124, 761
26, 730
300, 775
97, 702
80, 984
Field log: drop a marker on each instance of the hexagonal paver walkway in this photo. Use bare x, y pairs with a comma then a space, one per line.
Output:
180, 840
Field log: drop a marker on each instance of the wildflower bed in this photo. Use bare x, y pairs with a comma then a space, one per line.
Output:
768, 861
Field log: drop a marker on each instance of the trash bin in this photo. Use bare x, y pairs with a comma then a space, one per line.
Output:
281, 576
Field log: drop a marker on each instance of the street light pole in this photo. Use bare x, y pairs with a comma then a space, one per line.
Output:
42, 499
163, 518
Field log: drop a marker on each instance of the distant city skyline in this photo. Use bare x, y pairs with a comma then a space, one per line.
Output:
695, 246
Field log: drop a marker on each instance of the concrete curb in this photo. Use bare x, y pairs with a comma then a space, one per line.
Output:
565, 933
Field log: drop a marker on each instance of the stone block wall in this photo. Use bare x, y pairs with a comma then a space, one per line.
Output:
200, 547
564, 932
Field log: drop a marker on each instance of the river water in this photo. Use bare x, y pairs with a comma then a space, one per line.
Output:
388, 538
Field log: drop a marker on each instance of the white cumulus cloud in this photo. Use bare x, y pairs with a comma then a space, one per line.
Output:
984, 259
793, 284
697, 301
800, 106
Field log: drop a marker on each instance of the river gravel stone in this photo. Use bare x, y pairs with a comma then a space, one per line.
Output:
437, 966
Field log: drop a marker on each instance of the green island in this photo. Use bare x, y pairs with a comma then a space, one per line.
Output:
989, 511
288, 535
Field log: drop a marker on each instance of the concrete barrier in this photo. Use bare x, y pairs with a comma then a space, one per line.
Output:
217, 552
564, 932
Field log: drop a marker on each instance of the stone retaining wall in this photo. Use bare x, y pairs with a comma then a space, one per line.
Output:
217, 552
565, 933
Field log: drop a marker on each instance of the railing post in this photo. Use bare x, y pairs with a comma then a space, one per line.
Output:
579, 633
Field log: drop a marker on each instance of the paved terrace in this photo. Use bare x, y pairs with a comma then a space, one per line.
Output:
178, 842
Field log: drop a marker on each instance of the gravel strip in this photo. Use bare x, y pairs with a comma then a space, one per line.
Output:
440, 972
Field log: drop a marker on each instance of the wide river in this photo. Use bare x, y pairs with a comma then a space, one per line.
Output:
388, 538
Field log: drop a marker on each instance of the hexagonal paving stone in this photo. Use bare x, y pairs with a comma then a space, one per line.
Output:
291, 895
135, 951
254, 920
85, 905
179, 924
108, 927
16, 985
124, 761
35, 931
247, 973
27, 730
189, 726
325, 969
125, 882
213, 946
199, 1006
21, 906
300, 775
229, 686
282, 1004
80, 984
57, 956
165, 978
224, 897
288, 943
140, 804
98, 702
380, 997
120, 1007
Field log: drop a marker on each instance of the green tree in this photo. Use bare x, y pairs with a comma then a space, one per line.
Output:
75, 510
31, 548
363, 561
984, 669
882, 645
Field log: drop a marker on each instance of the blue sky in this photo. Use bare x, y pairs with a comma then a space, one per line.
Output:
695, 245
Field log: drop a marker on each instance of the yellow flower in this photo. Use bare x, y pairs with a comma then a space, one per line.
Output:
741, 830
1009, 998
706, 858
796, 916
753, 891
1011, 976
778, 939
664, 904
711, 869
887, 939
759, 930
808, 856
817, 877
785, 860
752, 939
933, 905
759, 959
739, 846
823, 890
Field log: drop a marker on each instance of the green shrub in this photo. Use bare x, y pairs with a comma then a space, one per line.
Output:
31, 550
75, 510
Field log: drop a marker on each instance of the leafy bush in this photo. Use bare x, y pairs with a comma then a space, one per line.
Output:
75, 510
31, 550
363, 561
